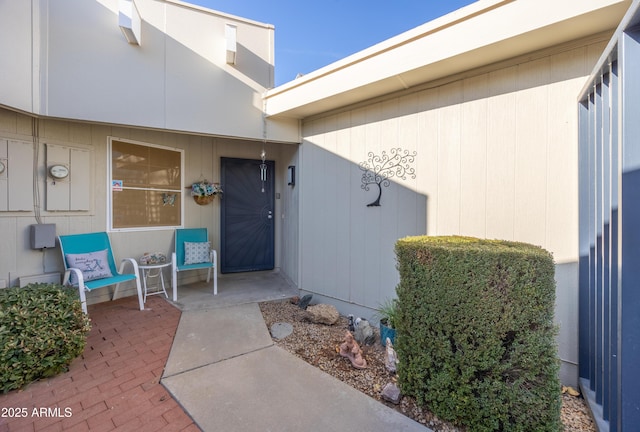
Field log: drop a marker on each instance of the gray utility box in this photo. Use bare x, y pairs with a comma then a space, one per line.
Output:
42, 236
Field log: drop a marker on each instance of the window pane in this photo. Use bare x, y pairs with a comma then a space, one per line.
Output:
129, 163
151, 178
142, 166
139, 208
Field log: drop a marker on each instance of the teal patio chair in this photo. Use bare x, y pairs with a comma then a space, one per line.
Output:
89, 265
193, 252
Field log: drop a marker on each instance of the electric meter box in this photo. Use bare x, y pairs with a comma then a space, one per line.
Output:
43, 236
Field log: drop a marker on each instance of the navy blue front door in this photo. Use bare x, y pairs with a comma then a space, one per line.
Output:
247, 220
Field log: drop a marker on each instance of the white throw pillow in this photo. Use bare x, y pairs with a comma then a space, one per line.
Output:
196, 252
93, 265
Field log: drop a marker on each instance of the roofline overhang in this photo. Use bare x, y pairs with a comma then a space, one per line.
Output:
210, 11
610, 53
466, 39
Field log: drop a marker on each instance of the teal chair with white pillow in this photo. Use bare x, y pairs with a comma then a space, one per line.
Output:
89, 265
193, 252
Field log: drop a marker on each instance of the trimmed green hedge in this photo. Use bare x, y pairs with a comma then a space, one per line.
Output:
476, 336
42, 329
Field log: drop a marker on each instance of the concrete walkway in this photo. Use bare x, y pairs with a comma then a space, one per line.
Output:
228, 375
216, 358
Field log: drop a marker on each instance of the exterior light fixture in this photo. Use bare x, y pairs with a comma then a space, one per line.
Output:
231, 36
291, 175
129, 21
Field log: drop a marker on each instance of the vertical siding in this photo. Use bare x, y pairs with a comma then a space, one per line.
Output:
501, 153
531, 141
288, 246
561, 159
427, 167
353, 250
202, 158
449, 174
473, 156
496, 158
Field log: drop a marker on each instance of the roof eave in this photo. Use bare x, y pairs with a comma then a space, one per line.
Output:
463, 40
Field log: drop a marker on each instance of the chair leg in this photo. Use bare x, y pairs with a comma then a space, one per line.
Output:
214, 260
83, 299
215, 280
138, 288
140, 298
174, 276
81, 291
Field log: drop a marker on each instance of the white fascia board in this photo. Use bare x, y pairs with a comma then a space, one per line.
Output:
482, 33
219, 13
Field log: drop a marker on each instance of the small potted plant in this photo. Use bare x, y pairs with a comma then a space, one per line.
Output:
388, 313
203, 191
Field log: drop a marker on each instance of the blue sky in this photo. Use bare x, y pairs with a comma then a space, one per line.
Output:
310, 35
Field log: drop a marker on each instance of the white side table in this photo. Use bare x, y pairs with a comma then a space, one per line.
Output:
153, 271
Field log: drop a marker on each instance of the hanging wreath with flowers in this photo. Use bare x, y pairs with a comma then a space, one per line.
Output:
203, 191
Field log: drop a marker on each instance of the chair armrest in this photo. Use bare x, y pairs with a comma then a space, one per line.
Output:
67, 276
131, 261
214, 257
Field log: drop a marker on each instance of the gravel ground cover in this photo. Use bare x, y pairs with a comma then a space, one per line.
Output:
318, 345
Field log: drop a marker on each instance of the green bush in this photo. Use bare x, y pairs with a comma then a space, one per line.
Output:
476, 336
42, 329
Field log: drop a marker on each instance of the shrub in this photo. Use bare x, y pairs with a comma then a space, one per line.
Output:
42, 329
476, 336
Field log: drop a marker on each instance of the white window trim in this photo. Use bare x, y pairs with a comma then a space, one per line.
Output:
109, 180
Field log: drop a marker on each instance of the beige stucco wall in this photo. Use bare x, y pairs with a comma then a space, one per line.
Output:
496, 158
202, 157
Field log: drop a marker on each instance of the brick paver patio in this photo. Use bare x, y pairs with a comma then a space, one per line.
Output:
114, 385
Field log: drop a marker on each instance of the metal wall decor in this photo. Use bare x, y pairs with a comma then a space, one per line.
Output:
379, 169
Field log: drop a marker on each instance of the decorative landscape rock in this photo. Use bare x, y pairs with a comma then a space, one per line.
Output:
391, 357
281, 330
311, 342
391, 393
351, 350
304, 301
364, 332
323, 314
352, 322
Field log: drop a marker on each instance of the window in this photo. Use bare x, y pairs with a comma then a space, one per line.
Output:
146, 185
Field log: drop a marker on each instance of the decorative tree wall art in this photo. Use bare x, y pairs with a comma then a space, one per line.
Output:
379, 169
